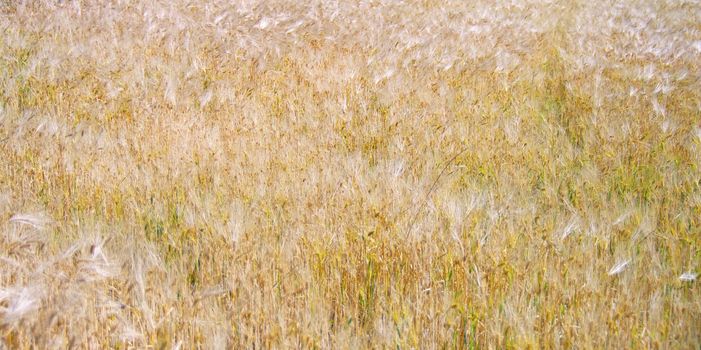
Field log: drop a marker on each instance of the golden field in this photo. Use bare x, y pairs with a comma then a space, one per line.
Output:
343, 175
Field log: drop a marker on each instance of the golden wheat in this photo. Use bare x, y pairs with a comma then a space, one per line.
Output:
363, 174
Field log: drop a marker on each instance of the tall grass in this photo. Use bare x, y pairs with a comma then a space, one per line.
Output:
367, 174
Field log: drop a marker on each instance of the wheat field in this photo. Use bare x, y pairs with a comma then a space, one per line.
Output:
350, 174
